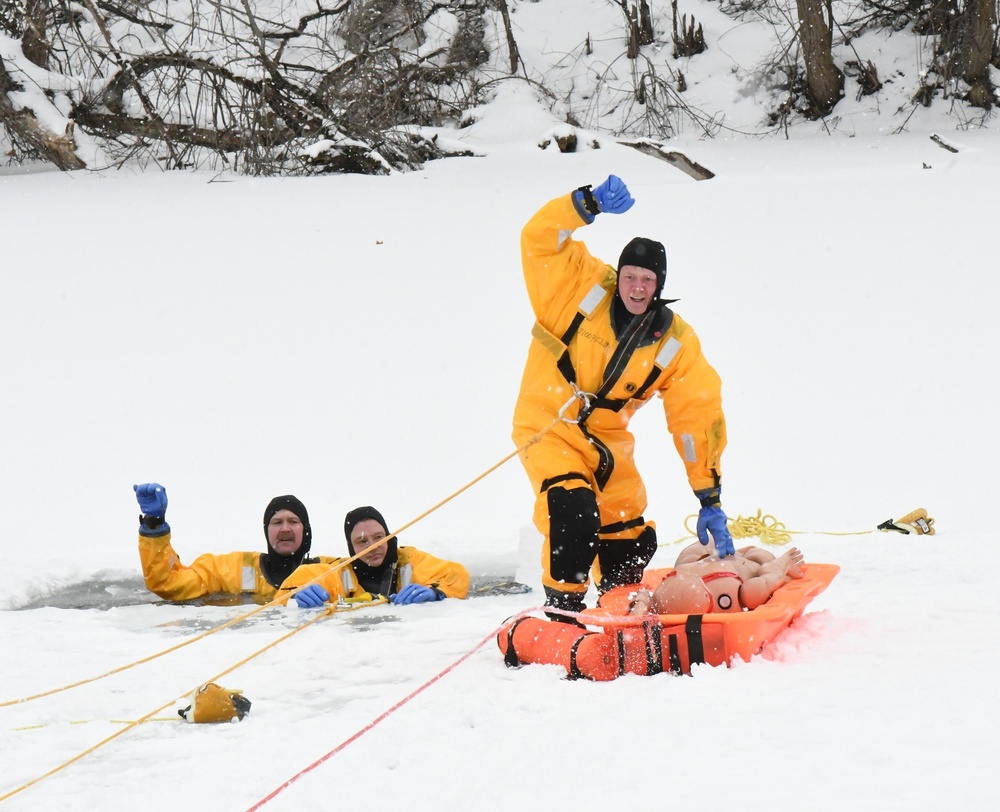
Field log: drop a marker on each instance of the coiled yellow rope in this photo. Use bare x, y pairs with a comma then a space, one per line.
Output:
763, 526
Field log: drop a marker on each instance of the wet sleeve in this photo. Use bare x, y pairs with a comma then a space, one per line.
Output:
449, 577
166, 576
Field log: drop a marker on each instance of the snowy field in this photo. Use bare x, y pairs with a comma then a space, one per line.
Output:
358, 340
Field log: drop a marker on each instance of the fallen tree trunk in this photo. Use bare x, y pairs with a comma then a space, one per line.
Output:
23, 125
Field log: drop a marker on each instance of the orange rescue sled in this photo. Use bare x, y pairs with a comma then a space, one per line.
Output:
652, 644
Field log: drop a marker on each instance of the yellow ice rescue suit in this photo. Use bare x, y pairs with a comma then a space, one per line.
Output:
414, 567
596, 364
230, 574
208, 575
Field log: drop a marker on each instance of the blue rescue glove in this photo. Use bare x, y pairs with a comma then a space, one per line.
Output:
311, 596
152, 499
613, 196
712, 519
415, 593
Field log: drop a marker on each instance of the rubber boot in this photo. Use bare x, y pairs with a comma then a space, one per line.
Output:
567, 601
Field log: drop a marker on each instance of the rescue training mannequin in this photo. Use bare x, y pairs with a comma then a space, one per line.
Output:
402, 574
603, 344
286, 530
702, 582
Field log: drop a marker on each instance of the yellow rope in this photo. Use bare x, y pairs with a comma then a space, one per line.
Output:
91, 721
151, 657
763, 526
326, 612
333, 568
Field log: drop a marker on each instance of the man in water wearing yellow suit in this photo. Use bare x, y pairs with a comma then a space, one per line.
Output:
286, 530
604, 342
404, 575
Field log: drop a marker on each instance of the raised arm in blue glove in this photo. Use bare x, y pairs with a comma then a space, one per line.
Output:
415, 593
611, 196
152, 499
311, 596
712, 519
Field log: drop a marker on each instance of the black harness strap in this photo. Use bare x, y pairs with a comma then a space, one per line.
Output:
633, 337
555, 480
675, 655
564, 363
630, 341
605, 459
618, 527
615, 405
573, 327
574, 669
510, 659
620, 640
696, 644
654, 648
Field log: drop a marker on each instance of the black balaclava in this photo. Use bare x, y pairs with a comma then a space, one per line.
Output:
275, 566
643, 253
376, 580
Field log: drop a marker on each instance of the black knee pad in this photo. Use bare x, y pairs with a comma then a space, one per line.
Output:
623, 562
574, 522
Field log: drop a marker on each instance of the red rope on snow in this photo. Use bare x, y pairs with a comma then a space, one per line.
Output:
492, 635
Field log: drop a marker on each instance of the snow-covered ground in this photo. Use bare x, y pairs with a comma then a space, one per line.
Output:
358, 340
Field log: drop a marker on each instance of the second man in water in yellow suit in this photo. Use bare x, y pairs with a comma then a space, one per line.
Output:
404, 575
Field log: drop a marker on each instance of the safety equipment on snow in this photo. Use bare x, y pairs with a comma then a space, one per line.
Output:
212, 703
916, 522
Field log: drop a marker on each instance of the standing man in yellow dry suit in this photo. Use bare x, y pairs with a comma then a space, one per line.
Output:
286, 530
603, 344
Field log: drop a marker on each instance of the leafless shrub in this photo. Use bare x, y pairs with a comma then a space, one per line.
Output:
688, 40
866, 75
468, 47
657, 109
638, 25
341, 87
